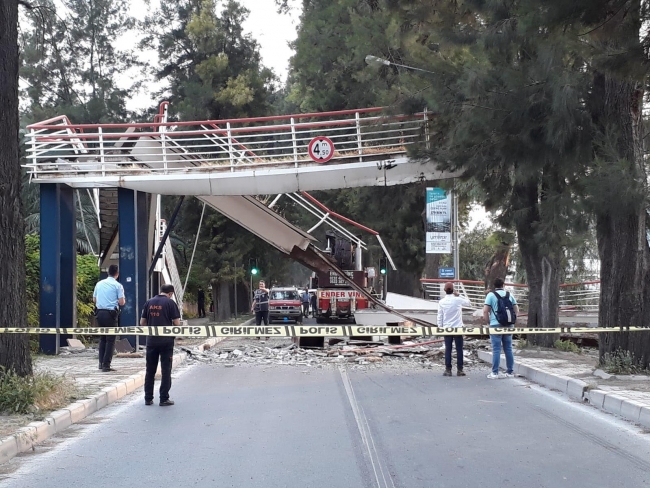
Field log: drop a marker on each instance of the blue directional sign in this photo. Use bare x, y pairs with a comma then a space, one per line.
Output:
446, 272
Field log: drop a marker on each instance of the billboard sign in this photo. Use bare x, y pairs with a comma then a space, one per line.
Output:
438, 231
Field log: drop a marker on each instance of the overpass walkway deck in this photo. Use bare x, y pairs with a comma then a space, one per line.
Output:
253, 156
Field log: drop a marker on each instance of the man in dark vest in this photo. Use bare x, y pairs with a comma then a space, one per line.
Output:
160, 311
200, 298
261, 304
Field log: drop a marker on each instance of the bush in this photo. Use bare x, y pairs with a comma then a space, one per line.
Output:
87, 277
43, 391
619, 362
567, 346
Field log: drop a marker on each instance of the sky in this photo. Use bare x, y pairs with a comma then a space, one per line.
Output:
273, 31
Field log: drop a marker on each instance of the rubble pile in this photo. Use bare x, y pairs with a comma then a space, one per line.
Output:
421, 353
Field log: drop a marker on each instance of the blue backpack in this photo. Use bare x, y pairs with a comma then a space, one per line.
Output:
505, 312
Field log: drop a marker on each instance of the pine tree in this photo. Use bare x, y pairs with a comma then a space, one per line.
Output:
14, 349
506, 113
70, 63
617, 184
214, 71
213, 68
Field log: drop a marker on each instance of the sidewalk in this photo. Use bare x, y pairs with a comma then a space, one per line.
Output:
577, 376
96, 388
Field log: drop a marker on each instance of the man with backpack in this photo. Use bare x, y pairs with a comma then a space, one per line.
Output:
501, 310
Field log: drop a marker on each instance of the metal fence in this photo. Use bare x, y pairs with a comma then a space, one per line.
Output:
58, 147
573, 296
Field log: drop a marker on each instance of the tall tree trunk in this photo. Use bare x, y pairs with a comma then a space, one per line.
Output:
543, 296
14, 349
223, 305
621, 226
431, 265
404, 283
541, 268
497, 266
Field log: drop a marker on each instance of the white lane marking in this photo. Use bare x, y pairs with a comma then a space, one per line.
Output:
380, 472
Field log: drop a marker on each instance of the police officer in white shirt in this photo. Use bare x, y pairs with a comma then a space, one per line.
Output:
450, 314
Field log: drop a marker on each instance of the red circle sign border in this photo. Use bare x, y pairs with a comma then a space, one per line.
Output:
311, 153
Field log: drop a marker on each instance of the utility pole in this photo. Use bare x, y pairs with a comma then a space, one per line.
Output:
456, 250
253, 270
383, 270
235, 289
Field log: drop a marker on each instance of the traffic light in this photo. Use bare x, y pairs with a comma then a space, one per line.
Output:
383, 265
252, 265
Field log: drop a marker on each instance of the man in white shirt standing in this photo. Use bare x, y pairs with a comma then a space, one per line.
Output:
450, 314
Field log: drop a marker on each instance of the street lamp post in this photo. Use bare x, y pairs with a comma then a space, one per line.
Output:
377, 61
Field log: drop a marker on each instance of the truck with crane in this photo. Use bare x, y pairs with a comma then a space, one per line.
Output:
335, 298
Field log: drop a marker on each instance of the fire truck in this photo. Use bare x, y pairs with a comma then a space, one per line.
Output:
335, 298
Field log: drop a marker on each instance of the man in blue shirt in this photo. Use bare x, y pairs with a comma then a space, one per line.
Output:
108, 297
491, 303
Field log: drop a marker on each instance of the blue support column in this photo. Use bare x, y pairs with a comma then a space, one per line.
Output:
57, 307
133, 228
68, 260
142, 239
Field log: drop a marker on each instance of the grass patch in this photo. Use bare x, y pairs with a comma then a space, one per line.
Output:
620, 362
43, 391
567, 346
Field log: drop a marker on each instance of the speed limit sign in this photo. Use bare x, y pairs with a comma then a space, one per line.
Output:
321, 149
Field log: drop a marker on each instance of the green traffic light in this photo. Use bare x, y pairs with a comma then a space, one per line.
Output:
254, 271
382, 271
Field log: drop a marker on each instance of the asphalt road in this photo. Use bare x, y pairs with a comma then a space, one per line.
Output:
255, 426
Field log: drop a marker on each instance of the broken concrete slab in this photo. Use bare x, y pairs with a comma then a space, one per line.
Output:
76, 344
123, 345
601, 374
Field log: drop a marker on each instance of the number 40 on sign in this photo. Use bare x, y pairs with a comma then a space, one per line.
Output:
321, 149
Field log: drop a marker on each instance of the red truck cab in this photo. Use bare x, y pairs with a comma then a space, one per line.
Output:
285, 304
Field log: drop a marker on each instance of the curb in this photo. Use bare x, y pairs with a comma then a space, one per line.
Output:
579, 390
26, 438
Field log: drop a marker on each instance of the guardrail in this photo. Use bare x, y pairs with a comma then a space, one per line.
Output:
58, 147
573, 296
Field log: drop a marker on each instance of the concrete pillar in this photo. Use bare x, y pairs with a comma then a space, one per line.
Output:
58, 263
133, 235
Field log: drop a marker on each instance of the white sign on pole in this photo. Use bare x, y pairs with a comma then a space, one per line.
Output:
438, 231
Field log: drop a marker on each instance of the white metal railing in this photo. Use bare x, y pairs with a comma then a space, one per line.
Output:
573, 296
56, 147
473, 290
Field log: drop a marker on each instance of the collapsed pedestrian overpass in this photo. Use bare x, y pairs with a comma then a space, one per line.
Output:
224, 163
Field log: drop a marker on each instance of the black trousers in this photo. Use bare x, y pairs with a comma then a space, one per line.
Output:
201, 309
164, 353
106, 342
458, 339
259, 316
305, 309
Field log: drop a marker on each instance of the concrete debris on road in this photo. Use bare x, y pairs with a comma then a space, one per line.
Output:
418, 353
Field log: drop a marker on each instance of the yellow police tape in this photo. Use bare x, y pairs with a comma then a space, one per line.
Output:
307, 330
